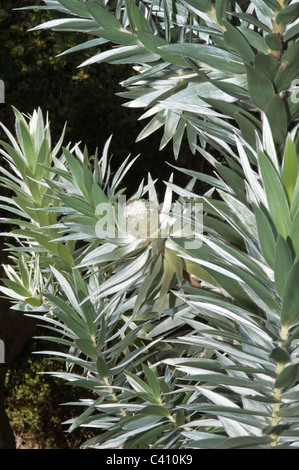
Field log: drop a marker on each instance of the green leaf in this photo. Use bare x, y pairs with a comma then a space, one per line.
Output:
288, 70
276, 196
283, 264
293, 336
102, 368
198, 271
175, 262
287, 377
290, 301
233, 180
244, 442
138, 384
27, 145
180, 418
201, 5
289, 412
24, 273
69, 317
79, 204
148, 436
212, 56
267, 64
84, 45
254, 39
64, 253
18, 288
75, 6
273, 41
102, 16
280, 356
155, 44
212, 442
155, 123
68, 24
42, 240
277, 116
273, 4
77, 172
260, 87
239, 42
178, 137
290, 168
156, 410
295, 200
288, 14
87, 348
250, 19
98, 195
221, 8
291, 32
152, 380
166, 285
123, 55
293, 234
119, 37
154, 271
34, 302
139, 20
248, 128
266, 236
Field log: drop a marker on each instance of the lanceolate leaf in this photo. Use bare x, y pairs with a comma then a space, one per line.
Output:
212, 56
102, 16
276, 196
166, 285
239, 42
289, 310
290, 168
277, 115
288, 70
293, 234
288, 14
283, 264
287, 377
266, 236
75, 6
260, 86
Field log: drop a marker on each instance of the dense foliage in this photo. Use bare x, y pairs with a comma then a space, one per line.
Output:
36, 74
183, 344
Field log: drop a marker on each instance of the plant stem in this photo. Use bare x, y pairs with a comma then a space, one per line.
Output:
113, 396
278, 391
278, 28
213, 15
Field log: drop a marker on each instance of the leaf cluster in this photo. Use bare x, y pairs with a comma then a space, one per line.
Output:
184, 343
204, 69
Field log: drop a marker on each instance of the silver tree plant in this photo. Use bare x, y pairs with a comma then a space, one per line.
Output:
181, 316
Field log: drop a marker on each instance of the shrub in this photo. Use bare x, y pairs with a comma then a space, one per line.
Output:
187, 340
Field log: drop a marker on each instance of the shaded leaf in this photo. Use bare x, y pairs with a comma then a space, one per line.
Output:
290, 302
